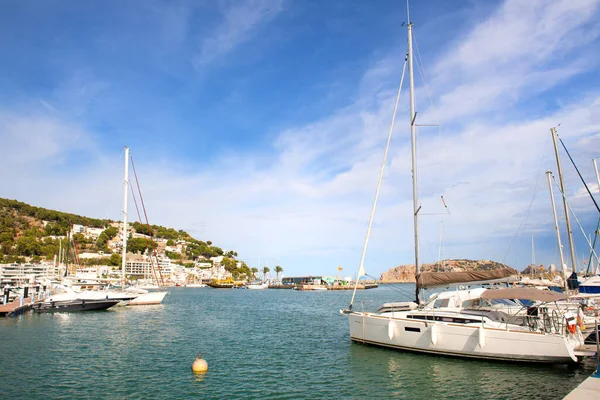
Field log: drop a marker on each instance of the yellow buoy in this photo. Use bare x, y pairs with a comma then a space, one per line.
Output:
200, 365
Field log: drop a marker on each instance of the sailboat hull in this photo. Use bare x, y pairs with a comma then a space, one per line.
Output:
469, 341
149, 298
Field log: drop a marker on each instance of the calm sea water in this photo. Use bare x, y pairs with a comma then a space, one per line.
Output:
270, 344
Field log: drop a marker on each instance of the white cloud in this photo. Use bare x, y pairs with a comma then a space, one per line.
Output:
240, 22
309, 207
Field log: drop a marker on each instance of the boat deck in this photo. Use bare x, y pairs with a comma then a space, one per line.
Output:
586, 350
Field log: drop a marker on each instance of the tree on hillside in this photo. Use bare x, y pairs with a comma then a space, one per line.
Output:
265, 272
140, 245
278, 270
115, 259
254, 272
142, 228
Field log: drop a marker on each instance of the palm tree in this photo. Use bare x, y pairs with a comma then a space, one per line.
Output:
265, 271
278, 270
254, 271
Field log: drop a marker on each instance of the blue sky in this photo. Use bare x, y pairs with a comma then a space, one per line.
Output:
261, 124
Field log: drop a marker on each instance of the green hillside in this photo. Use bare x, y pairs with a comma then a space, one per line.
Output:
29, 233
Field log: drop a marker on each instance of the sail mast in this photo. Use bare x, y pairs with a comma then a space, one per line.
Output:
560, 247
125, 187
413, 140
564, 197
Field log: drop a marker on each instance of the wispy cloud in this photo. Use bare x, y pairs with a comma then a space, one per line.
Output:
240, 21
306, 199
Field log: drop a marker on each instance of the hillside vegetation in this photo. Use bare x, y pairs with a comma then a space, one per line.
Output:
29, 233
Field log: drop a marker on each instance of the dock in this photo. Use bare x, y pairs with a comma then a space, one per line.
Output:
15, 308
588, 389
351, 287
281, 286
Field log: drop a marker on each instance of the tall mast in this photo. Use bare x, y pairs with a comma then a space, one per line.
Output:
413, 140
125, 187
560, 247
564, 197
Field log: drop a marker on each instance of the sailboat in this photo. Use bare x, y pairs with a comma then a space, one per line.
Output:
258, 285
471, 323
142, 297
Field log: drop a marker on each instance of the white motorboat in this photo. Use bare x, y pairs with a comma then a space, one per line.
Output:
70, 301
257, 285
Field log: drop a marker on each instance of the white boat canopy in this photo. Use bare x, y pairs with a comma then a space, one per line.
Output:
545, 296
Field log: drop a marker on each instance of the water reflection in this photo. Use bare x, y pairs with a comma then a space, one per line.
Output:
414, 375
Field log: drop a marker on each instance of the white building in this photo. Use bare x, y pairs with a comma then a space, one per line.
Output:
93, 233
15, 273
78, 228
143, 268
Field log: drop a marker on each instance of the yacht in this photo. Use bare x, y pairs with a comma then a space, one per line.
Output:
69, 301
475, 324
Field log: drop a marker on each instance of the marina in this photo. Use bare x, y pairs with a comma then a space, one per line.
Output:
291, 340
316, 232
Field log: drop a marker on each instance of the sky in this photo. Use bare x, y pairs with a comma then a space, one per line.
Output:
261, 124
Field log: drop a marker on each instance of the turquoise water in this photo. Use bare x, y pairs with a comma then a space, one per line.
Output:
264, 344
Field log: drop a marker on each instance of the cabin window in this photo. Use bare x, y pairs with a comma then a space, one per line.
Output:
441, 303
409, 329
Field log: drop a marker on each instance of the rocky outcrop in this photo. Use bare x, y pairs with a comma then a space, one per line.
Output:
406, 273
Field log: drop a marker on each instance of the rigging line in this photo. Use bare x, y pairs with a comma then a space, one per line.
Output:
579, 173
577, 220
141, 221
394, 288
161, 282
422, 73
596, 232
535, 191
387, 147
137, 209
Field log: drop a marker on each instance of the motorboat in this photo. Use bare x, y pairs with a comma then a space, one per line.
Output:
257, 285
70, 301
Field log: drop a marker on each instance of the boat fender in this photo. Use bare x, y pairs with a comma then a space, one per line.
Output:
434, 334
200, 365
481, 337
390, 330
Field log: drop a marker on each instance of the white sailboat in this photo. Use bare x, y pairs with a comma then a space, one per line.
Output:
147, 298
466, 323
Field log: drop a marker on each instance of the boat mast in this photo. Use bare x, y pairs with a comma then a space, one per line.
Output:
560, 247
125, 187
564, 197
413, 140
